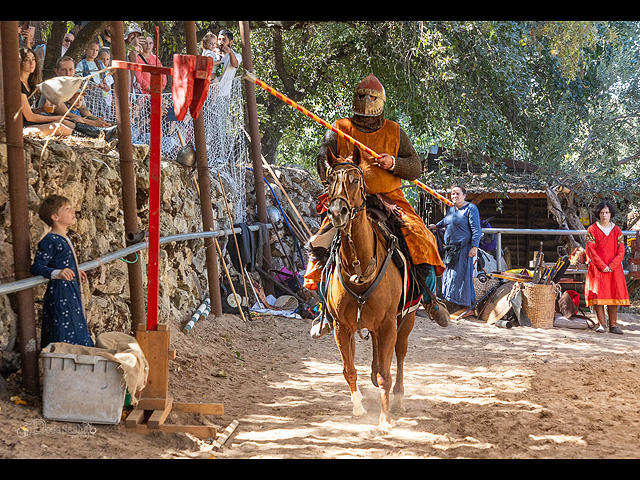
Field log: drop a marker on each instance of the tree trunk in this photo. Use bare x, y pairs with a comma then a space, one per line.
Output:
567, 218
54, 47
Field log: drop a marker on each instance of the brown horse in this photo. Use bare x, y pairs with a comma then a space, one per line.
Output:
365, 288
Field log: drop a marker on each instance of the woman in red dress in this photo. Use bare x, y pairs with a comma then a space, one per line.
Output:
605, 283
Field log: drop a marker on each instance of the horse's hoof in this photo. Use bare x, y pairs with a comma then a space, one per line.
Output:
359, 411
384, 427
398, 407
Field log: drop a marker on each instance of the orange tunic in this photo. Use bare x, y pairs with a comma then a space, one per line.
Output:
605, 288
420, 241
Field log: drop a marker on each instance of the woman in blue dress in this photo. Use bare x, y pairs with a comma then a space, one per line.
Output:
63, 318
461, 237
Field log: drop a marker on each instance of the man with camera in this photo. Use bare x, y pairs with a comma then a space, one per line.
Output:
230, 62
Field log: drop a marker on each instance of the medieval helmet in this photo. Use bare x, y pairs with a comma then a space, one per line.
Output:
369, 97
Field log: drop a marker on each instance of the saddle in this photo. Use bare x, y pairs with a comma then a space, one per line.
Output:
384, 214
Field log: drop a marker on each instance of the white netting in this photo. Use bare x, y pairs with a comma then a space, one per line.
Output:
223, 124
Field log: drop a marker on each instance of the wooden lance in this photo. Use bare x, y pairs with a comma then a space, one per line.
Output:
252, 78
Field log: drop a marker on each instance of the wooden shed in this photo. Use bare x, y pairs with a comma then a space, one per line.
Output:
517, 199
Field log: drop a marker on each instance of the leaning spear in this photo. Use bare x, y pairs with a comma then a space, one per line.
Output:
252, 78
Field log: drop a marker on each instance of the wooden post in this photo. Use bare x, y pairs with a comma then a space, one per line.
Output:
204, 183
128, 176
256, 149
21, 240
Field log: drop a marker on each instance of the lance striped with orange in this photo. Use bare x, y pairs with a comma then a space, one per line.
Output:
252, 78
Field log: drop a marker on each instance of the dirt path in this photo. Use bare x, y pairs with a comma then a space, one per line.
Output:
472, 391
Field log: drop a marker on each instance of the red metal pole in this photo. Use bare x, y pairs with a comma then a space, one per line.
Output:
154, 202
154, 183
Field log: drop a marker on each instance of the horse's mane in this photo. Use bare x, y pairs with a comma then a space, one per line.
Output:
380, 211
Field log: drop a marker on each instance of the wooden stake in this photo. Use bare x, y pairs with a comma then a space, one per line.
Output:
226, 207
225, 435
224, 265
284, 192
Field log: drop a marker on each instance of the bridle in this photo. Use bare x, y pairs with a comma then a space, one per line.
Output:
337, 189
340, 184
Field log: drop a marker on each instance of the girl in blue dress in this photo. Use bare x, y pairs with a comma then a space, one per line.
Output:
462, 237
63, 318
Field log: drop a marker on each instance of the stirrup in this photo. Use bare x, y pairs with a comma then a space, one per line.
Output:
320, 327
437, 312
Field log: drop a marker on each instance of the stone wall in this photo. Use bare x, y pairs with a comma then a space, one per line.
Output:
87, 172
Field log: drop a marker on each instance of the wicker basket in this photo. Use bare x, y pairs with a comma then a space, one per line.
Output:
482, 288
539, 303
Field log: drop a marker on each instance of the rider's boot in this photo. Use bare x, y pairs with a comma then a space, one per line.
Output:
321, 325
435, 308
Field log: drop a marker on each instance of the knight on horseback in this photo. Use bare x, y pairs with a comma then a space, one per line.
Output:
382, 177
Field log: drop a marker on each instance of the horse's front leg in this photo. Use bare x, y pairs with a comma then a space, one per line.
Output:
402, 341
386, 341
347, 346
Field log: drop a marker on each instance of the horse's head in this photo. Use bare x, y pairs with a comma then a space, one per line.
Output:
346, 188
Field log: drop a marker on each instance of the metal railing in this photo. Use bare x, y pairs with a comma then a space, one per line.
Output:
531, 231
31, 282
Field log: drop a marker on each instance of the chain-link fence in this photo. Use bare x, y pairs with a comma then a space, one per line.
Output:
224, 129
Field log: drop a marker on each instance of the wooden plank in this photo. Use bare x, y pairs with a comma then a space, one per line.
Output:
140, 429
155, 346
204, 408
134, 418
225, 435
158, 417
153, 403
200, 431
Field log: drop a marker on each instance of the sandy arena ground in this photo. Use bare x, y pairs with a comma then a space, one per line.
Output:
472, 391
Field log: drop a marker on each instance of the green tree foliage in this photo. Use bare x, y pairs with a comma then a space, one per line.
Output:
561, 95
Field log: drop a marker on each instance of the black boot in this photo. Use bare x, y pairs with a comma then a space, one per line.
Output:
110, 133
94, 132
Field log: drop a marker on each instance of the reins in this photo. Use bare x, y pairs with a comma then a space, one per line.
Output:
334, 257
362, 298
353, 211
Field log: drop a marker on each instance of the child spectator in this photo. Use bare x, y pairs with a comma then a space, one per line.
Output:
104, 56
210, 49
90, 66
63, 318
